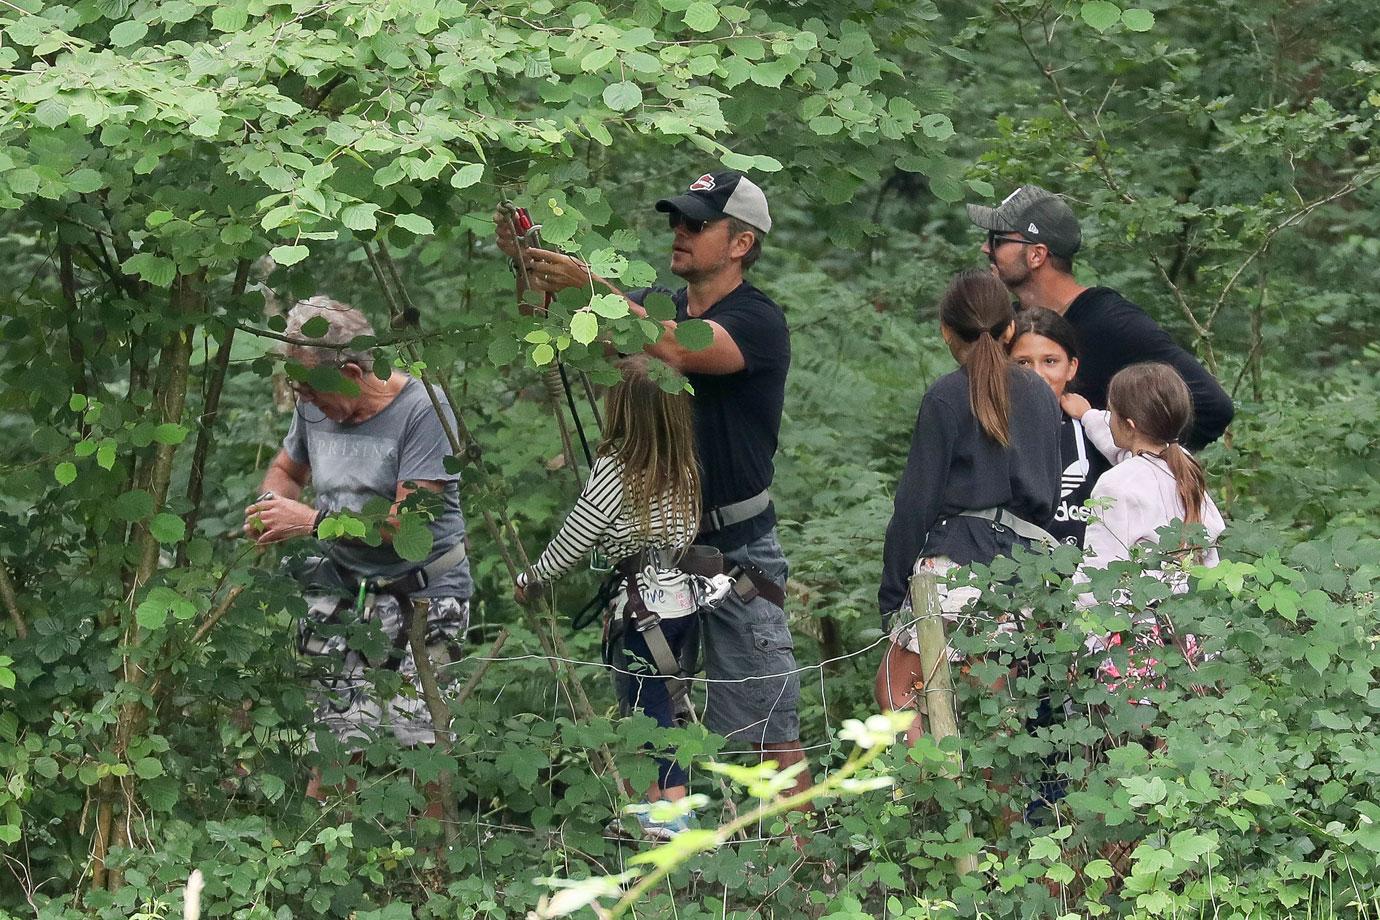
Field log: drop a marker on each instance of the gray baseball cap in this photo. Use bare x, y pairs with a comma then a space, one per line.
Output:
1037, 215
727, 193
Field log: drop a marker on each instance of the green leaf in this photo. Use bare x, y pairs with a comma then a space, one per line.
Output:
1098, 868
1257, 797
659, 306
65, 473
622, 96
467, 175
543, 355
161, 793
360, 216
316, 327
132, 506
1045, 849
153, 611
598, 59
234, 234
1100, 14
413, 539
701, 16
86, 181
415, 223
148, 767
695, 334
128, 32
937, 126
288, 255
230, 17
610, 306
1138, 20
156, 270
170, 433
584, 327
167, 528
105, 454
272, 786
503, 350
826, 125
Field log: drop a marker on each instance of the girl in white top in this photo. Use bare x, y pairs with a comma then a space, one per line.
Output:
642, 494
1155, 482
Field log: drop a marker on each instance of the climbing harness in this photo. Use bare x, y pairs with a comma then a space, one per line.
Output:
735, 513
327, 609
1001, 519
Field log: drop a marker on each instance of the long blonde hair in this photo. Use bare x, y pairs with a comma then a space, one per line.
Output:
652, 434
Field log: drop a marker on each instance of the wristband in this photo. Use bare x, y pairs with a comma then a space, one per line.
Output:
316, 524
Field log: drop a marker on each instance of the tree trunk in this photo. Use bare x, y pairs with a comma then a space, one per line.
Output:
205, 436
170, 400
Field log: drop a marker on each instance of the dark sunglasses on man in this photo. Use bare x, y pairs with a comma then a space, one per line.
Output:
995, 239
691, 224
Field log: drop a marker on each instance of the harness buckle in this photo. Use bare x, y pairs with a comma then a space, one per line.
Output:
651, 621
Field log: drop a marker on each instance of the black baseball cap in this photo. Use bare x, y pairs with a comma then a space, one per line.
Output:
1037, 215
727, 193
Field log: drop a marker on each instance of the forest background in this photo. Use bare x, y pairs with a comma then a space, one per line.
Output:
1221, 155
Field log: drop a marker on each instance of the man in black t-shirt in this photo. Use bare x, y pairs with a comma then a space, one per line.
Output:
740, 385
1032, 237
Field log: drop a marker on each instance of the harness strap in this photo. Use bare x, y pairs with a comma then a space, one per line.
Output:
636, 615
749, 582
735, 513
1001, 518
418, 579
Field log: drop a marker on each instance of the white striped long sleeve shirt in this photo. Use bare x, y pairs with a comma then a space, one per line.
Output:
602, 520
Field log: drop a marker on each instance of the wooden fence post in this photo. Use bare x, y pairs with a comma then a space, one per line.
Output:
940, 702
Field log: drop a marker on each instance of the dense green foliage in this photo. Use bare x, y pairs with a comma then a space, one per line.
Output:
152, 716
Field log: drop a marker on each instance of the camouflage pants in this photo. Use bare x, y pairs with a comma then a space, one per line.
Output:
347, 652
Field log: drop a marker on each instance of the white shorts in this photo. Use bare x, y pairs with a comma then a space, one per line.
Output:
954, 599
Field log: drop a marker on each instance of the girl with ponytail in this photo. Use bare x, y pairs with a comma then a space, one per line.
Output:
982, 476
1155, 482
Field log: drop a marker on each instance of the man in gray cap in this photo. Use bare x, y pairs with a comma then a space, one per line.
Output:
740, 388
1032, 238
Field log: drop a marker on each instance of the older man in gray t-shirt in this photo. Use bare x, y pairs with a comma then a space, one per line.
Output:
381, 441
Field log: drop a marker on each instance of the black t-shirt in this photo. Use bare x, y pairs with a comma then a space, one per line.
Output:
738, 416
1083, 464
955, 466
1116, 333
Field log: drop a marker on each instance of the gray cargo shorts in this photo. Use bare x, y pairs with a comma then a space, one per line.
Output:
344, 650
750, 645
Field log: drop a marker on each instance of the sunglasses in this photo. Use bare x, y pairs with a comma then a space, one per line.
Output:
994, 240
691, 225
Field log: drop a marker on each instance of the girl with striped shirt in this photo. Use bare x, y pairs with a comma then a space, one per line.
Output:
642, 497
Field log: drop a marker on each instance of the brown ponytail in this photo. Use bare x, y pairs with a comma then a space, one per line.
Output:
977, 308
1156, 399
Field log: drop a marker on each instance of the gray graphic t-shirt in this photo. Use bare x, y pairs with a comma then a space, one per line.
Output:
353, 463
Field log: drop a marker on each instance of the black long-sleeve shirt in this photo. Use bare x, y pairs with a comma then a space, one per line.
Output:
955, 466
1115, 333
